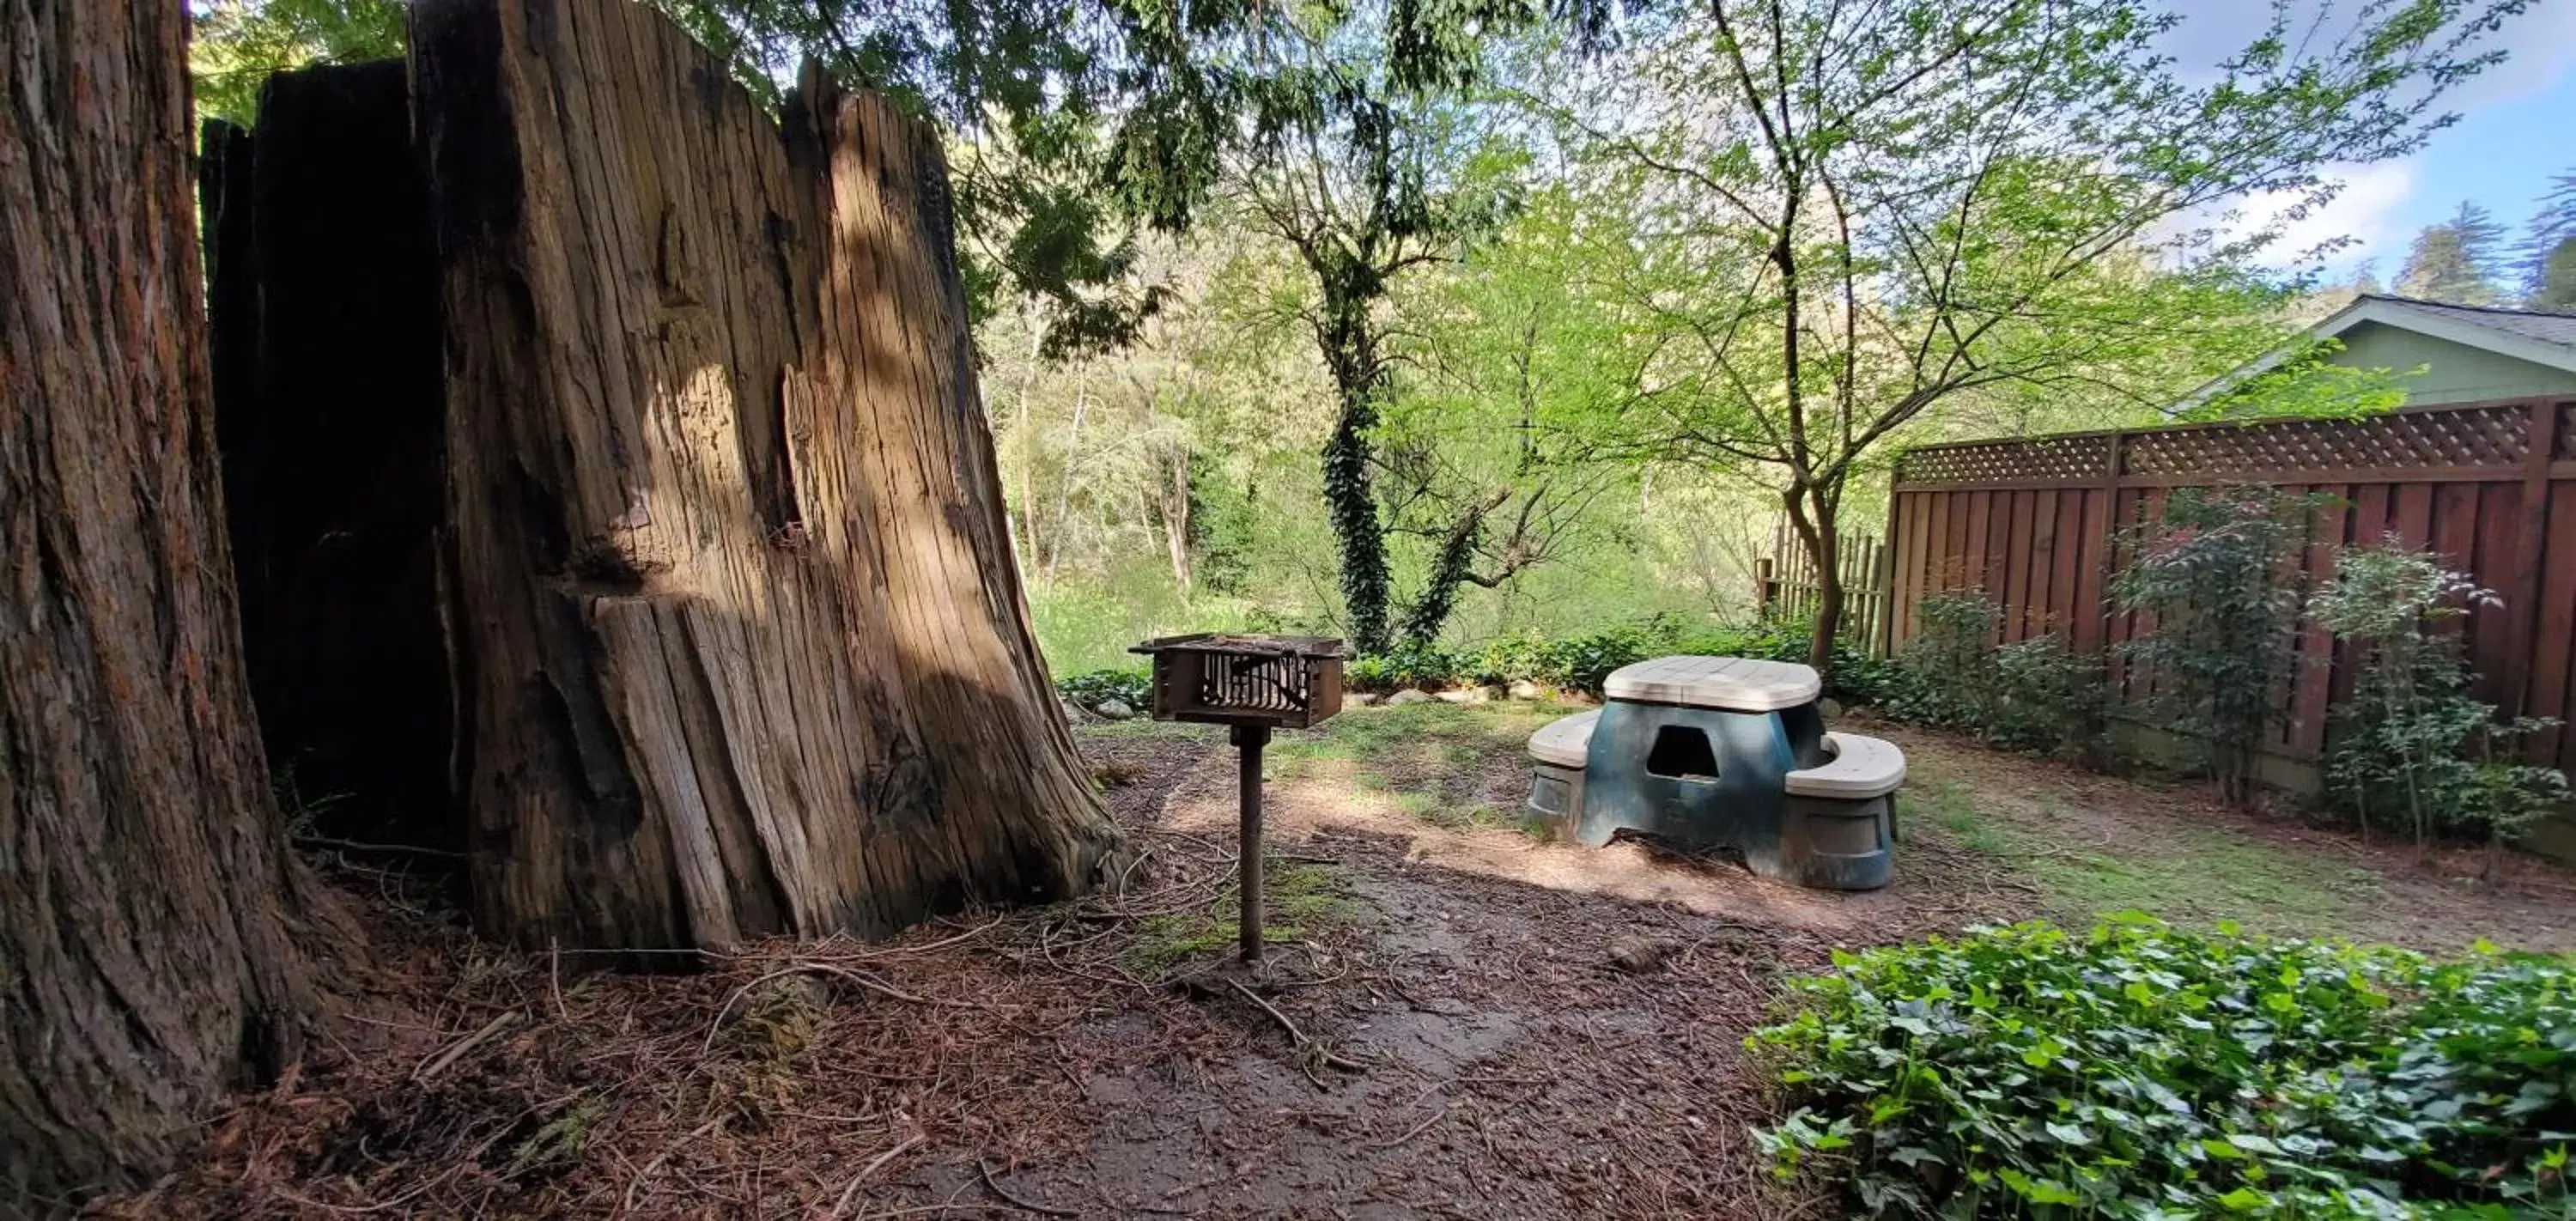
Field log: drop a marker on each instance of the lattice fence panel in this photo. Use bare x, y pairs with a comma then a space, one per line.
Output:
2470, 436
2051, 459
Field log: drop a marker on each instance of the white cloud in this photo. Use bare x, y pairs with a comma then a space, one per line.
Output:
2369, 210
2541, 50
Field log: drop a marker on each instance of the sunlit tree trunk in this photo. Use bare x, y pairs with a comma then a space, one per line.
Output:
742, 645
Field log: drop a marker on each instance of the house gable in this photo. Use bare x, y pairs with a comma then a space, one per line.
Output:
2454, 372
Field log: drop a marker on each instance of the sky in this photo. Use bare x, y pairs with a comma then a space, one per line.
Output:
2517, 128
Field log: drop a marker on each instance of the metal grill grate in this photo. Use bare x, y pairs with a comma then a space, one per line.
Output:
1286, 681
1254, 684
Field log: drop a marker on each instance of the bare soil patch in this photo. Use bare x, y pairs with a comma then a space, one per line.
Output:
1456, 1019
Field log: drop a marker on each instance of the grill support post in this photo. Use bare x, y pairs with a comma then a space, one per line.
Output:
1248, 740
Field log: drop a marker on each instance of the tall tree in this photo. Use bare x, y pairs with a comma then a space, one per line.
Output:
1091, 118
1861, 213
2455, 262
1366, 179
2546, 257
2555, 289
149, 905
1500, 349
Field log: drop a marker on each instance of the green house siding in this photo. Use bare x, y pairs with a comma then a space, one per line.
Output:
2454, 373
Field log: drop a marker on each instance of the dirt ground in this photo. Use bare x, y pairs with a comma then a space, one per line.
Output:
1455, 1019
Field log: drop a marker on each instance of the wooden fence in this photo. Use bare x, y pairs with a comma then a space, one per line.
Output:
2489, 486
1785, 585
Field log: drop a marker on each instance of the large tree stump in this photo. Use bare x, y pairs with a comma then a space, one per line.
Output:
330, 415
740, 643
146, 895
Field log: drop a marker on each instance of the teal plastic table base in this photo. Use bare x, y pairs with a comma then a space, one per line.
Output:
1709, 779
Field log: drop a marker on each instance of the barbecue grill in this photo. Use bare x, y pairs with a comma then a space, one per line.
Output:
1252, 684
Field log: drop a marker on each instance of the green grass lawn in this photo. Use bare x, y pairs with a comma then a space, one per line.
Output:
2188, 873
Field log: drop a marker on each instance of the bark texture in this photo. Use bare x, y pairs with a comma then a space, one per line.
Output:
740, 643
324, 286
146, 894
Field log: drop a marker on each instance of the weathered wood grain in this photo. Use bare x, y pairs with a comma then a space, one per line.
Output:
741, 643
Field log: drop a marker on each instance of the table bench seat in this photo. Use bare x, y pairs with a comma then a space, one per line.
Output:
1861, 767
1566, 741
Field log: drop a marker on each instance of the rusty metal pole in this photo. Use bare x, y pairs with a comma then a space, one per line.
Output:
1249, 739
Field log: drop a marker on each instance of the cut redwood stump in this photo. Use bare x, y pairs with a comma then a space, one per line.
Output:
149, 906
740, 647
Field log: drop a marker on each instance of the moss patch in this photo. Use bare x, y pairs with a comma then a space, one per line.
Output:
1303, 901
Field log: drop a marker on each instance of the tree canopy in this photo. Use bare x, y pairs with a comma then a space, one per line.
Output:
2457, 262
1529, 277
1848, 218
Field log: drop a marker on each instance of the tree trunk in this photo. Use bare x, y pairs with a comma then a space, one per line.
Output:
741, 644
1815, 528
147, 898
1350, 494
327, 355
1172, 498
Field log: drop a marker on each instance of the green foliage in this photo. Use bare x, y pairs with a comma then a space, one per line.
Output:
2458, 261
2032, 694
2307, 385
1833, 221
1945, 672
1132, 687
2411, 739
2143, 1072
2209, 571
237, 44
1578, 663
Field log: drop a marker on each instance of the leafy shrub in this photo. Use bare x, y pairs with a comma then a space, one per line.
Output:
1584, 663
2034, 694
2411, 740
2143, 1072
1945, 673
1091, 689
2210, 572
2049, 698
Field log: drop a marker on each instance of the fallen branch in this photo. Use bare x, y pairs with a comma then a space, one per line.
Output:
347, 1210
446, 1059
997, 1189
1415, 1130
636, 1184
351, 845
834, 970
841, 1207
1298, 1038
